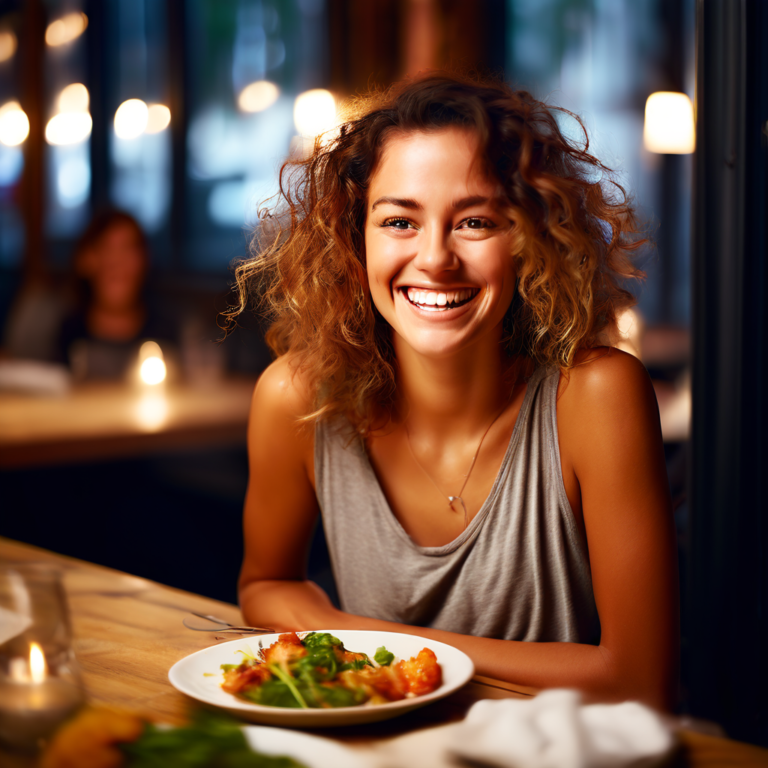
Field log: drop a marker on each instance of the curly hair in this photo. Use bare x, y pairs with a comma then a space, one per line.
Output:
573, 235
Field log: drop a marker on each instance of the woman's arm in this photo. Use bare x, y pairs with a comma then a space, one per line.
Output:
611, 449
280, 505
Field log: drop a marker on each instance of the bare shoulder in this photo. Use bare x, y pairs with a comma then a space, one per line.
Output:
605, 377
607, 406
282, 391
276, 430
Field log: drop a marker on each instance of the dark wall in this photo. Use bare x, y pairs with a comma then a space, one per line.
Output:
727, 663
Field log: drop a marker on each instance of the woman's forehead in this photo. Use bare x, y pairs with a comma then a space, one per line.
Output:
427, 159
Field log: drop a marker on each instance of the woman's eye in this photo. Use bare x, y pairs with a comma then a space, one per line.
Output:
397, 224
475, 222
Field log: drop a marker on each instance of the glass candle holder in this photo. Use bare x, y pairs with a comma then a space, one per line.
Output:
40, 684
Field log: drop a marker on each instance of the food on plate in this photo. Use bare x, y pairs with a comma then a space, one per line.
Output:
104, 738
317, 671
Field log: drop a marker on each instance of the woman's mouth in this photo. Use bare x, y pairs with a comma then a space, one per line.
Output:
439, 301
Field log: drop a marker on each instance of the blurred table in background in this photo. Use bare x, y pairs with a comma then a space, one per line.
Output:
101, 421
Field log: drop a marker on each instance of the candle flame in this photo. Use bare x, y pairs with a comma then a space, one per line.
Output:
37, 665
151, 364
152, 371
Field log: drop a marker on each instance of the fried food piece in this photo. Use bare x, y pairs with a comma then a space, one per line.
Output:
421, 674
244, 677
90, 740
287, 648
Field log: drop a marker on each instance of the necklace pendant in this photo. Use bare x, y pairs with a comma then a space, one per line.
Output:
451, 499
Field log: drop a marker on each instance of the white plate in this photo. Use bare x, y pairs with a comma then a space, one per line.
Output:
312, 751
199, 676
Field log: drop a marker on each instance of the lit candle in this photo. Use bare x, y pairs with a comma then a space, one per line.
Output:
33, 703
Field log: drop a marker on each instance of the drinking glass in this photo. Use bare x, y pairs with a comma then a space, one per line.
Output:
40, 684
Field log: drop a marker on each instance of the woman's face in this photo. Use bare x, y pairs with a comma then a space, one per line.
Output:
438, 243
115, 267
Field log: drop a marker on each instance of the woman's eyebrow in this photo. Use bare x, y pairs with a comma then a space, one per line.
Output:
457, 205
401, 202
468, 202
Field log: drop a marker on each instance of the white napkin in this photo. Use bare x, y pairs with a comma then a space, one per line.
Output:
552, 730
34, 377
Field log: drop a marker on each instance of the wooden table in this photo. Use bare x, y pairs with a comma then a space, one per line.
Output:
95, 421
128, 633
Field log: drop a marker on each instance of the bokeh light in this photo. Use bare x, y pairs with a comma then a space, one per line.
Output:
152, 369
14, 124
68, 128
74, 98
314, 112
669, 125
131, 119
258, 96
158, 118
66, 29
151, 410
8, 44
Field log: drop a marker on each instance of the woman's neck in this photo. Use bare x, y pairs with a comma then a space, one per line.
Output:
456, 395
115, 323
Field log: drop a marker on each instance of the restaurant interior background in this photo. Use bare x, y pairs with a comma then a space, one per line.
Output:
180, 113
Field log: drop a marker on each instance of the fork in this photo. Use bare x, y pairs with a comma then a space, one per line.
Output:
224, 626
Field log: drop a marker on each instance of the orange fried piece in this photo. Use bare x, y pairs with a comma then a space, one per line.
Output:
381, 684
287, 648
90, 740
421, 674
242, 677
346, 657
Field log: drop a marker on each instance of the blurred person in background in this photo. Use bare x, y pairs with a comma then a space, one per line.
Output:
101, 338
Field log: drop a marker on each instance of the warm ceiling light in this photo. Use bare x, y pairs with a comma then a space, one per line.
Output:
68, 128
131, 119
66, 29
158, 118
669, 127
37, 665
74, 98
314, 112
14, 124
258, 96
7, 44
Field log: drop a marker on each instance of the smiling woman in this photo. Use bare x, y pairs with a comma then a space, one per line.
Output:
438, 251
488, 475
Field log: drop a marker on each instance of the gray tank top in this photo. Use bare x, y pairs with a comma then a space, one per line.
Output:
520, 571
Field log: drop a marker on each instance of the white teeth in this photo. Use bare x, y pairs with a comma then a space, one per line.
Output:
438, 300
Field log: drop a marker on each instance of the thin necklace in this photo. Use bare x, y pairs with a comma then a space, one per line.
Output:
458, 498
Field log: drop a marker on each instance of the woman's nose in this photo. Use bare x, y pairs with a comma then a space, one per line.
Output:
435, 253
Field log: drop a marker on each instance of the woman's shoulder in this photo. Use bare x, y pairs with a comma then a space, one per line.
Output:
605, 390
282, 390
603, 372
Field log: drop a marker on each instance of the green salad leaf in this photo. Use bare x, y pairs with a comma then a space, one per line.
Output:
209, 741
383, 657
315, 639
